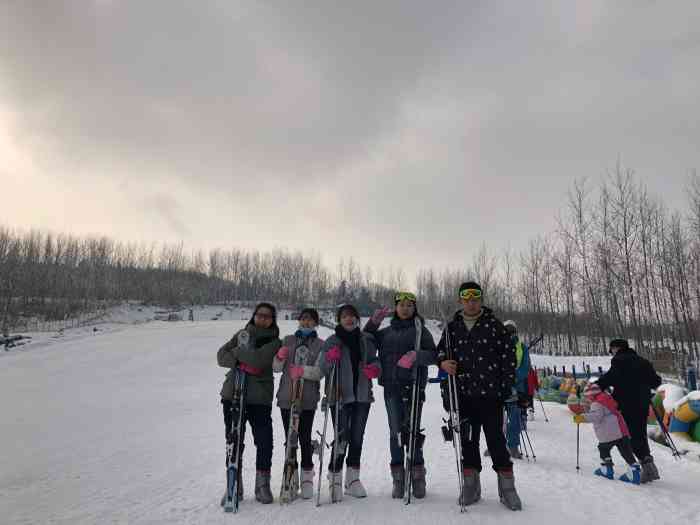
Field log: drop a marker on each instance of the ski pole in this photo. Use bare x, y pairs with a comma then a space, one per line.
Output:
539, 397
667, 434
527, 436
578, 447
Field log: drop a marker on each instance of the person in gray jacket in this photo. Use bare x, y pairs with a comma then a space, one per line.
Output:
400, 359
354, 353
310, 371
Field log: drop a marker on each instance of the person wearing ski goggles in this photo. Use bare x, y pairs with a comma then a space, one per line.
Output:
481, 358
400, 358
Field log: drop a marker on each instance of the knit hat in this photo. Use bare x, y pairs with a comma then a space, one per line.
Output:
469, 285
311, 312
349, 308
591, 390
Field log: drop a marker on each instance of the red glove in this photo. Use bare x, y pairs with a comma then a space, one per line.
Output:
407, 359
379, 315
296, 371
283, 353
371, 371
333, 355
250, 369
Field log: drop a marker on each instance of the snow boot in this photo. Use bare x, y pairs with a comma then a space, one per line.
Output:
515, 453
506, 490
307, 483
397, 476
649, 470
263, 494
471, 487
605, 471
353, 485
335, 479
419, 481
632, 475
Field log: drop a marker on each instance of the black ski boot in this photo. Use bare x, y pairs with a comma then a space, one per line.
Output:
419, 481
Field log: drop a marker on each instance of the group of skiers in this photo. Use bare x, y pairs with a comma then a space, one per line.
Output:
482, 360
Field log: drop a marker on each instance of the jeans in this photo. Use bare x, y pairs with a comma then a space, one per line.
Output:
398, 414
514, 425
350, 432
306, 424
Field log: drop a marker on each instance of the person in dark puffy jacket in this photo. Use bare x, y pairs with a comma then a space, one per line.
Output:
481, 357
401, 361
255, 359
632, 378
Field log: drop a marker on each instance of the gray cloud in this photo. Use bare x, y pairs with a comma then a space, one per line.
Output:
386, 129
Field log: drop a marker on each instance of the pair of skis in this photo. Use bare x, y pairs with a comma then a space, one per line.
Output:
234, 440
453, 427
413, 434
290, 474
332, 389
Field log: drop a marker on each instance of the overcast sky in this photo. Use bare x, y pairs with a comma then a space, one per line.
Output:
403, 133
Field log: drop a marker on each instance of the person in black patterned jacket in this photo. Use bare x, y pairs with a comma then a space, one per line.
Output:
481, 357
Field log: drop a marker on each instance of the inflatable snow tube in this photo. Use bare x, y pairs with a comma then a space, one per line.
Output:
688, 409
676, 426
554, 383
695, 432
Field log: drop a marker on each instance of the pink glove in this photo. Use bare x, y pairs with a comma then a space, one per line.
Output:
407, 359
249, 369
371, 371
282, 353
333, 355
296, 371
379, 315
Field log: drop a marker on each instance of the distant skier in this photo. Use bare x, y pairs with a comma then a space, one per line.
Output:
311, 372
632, 378
485, 372
255, 360
398, 355
611, 431
355, 355
517, 404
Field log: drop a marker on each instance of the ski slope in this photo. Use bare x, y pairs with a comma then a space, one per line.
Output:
124, 426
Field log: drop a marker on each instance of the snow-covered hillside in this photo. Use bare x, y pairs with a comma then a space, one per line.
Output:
124, 426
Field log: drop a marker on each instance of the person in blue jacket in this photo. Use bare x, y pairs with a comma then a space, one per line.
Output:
516, 406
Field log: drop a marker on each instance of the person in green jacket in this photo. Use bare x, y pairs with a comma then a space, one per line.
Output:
255, 359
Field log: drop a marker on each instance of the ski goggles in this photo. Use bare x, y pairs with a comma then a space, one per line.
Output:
470, 293
404, 296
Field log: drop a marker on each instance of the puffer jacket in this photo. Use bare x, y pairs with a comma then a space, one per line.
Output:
632, 378
606, 423
312, 371
485, 356
261, 350
393, 342
364, 385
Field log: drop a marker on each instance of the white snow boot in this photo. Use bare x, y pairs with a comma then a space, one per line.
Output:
307, 483
353, 485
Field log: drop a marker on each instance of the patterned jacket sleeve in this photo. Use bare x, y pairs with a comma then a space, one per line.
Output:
507, 363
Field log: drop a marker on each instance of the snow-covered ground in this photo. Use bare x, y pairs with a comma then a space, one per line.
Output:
123, 425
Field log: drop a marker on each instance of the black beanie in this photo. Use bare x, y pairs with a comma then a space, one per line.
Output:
469, 285
344, 307
620, 343
311, 312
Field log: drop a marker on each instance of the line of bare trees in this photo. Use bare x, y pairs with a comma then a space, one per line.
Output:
619, 264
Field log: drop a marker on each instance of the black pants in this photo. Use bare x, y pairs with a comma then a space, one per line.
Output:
306, 424
486, 413
623, 446
351, 433
636, 419
260, 419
